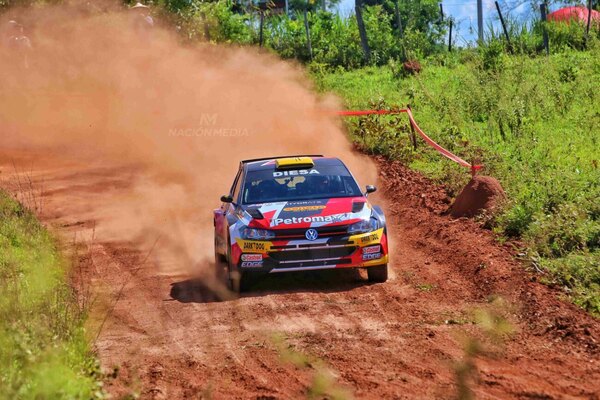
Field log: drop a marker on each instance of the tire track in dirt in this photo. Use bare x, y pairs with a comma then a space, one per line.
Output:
170, 337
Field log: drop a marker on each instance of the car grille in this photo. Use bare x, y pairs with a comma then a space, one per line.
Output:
309, 255
270, 263
324, 231
323, 252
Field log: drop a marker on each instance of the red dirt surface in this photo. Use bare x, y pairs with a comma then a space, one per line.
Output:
169, 336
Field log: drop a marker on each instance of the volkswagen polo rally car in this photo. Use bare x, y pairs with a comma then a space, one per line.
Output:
295, 214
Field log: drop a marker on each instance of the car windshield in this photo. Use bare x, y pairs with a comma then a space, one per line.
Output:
269, 186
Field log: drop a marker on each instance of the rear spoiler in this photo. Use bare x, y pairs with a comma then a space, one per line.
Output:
275, 157
294, 163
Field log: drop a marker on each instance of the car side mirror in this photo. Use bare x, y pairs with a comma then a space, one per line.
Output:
226, 198
370, 189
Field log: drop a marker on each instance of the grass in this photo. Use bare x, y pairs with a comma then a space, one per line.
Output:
494, 330
532, 121
43, 350
324, 384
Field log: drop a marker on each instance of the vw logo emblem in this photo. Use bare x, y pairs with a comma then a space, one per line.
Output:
311, 234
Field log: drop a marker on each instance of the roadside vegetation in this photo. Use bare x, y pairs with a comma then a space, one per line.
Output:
43, 350
533, 124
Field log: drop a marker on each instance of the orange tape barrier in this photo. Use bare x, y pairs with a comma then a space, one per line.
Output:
427, 139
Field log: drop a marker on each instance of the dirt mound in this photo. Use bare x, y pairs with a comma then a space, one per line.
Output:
481, 193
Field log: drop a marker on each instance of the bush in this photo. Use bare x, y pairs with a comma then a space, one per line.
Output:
579, 274
492, 54
567, 229
43, 350
564, 36
215, 21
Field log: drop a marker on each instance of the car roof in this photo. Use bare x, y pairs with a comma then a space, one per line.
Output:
269, 163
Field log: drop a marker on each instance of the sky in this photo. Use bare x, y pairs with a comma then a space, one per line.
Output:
464, 13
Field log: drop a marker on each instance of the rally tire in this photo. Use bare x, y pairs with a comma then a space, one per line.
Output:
240, 282
220, 268
237, 281
378, 274
220, 265
234, 281
232, 275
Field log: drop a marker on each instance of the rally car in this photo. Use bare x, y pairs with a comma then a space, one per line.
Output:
297, 213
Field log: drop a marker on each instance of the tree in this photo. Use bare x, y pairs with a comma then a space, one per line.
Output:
418, 18
364, 42
311, 5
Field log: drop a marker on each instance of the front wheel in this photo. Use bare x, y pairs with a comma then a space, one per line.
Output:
220, 264
378, 273
238, 281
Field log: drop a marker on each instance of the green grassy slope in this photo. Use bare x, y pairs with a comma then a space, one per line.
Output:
534, 123
43, 351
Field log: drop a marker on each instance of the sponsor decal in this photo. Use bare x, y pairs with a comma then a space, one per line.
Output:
295, 172
251, 257
372, 256
249, 246
370, 238
314, 219
252, 264
371, 249
304, 202
304, 208
312, 234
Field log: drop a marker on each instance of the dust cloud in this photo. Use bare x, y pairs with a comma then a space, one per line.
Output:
97, 87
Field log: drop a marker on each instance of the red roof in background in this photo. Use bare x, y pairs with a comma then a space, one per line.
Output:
578, 13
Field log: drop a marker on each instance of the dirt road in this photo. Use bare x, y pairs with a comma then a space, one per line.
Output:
169, 336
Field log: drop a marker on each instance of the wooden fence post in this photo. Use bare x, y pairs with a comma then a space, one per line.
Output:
543, 10
262, 23
589, 20
480, 21
413, 135
450, 37
504, 27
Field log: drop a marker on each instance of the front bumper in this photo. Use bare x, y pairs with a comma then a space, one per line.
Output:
356, 251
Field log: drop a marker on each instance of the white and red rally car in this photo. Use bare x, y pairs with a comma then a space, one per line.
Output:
297, 213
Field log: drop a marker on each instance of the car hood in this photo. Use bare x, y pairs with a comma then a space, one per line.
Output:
306, 213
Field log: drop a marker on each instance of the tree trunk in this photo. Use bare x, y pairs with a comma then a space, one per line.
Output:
400, 30
398, 19
262, 24
361, 30
307, 29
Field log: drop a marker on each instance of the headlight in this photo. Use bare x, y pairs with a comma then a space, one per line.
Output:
256, 234
363, 226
